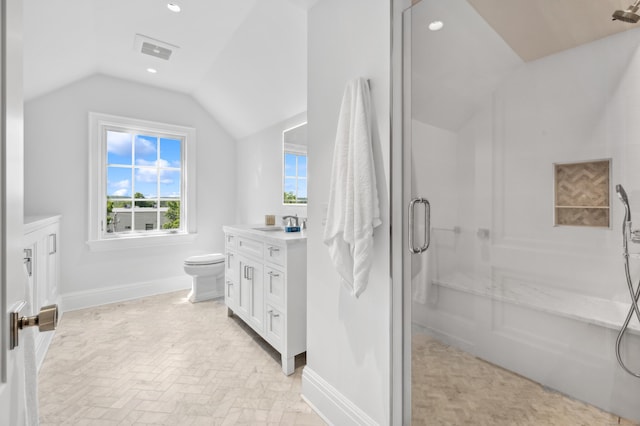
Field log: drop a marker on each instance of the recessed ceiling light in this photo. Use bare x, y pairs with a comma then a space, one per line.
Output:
173, 7
436, 25
152, 70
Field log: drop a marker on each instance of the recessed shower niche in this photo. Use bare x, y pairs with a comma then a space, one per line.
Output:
582, 193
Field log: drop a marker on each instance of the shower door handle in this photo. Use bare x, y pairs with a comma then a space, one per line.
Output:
427, 224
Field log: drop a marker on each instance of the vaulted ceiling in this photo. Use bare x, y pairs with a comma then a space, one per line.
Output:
244, 61
484, 41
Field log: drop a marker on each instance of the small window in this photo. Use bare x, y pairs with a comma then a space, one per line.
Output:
294, 168
139, 173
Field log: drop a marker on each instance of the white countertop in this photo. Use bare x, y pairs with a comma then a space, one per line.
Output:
254, 230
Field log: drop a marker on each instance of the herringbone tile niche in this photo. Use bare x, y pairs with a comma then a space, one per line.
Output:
582, 193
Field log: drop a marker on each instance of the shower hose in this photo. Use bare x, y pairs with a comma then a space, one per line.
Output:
635, 295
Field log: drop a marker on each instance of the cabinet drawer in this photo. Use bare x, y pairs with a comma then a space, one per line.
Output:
274, 253
274, 329
231, 267
230, 294
274, 285
230, 241
250, 247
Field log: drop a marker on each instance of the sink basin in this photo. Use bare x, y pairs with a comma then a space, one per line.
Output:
269, 228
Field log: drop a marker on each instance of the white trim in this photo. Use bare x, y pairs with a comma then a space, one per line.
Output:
293, 148
96, 164
400, 350
43, 347
329, 403
103, 296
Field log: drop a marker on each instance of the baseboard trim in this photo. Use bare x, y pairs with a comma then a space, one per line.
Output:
42, 348
102, 296
329, 403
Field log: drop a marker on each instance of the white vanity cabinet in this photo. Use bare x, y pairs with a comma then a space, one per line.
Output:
266, 286
42, 268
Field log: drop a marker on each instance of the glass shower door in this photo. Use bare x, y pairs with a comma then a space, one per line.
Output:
509, 160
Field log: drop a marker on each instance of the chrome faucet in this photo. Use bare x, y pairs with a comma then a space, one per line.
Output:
290, 220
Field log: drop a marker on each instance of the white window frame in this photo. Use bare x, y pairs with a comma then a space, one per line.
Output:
295, 149
298, 153
98, 239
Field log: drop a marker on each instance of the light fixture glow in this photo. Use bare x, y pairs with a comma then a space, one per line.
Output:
436, 25
173, 7
152, 70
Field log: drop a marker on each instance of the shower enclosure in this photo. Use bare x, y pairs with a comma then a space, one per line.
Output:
518, 120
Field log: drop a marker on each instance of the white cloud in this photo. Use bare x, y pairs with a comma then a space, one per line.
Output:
119, 143
161, 163
125, 184
144, 146
151, 174
147, 175
121, 192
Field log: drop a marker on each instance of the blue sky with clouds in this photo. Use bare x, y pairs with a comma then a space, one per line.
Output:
142, 163
295, 165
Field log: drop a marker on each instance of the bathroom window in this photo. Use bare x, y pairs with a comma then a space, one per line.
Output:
582, 193
138, 181
295, 178
294, 165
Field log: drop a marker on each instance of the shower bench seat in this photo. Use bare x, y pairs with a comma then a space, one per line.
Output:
593, 310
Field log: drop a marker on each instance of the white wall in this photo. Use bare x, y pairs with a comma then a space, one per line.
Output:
348, 356
259, 174
56, 173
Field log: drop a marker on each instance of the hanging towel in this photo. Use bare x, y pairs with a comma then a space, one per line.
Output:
353, 210
28, 342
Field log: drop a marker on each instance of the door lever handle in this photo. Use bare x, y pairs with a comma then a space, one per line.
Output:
46, 320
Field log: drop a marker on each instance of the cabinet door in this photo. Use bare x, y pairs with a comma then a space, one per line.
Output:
231, 267
244, 288
52, 263
251, 297
256, 305
231, 291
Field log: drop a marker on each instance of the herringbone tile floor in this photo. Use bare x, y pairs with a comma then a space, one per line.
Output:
451, 387
162, 360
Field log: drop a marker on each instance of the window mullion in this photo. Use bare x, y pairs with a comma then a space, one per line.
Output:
158, 184
133, 183
296, 180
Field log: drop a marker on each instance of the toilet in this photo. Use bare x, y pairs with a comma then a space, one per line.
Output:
207, 276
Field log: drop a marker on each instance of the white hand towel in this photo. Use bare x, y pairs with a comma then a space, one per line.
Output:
28, 342
354, 209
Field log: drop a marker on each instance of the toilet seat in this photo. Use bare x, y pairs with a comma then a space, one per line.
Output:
205, 259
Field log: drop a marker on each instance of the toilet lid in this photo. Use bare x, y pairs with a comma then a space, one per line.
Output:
205, 259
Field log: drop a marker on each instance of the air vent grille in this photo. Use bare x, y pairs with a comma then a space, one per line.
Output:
155, 50
153, 47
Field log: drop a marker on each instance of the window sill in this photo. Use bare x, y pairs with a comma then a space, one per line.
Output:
138, 241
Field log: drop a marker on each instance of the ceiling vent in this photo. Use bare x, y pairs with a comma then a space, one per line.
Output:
153, 47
